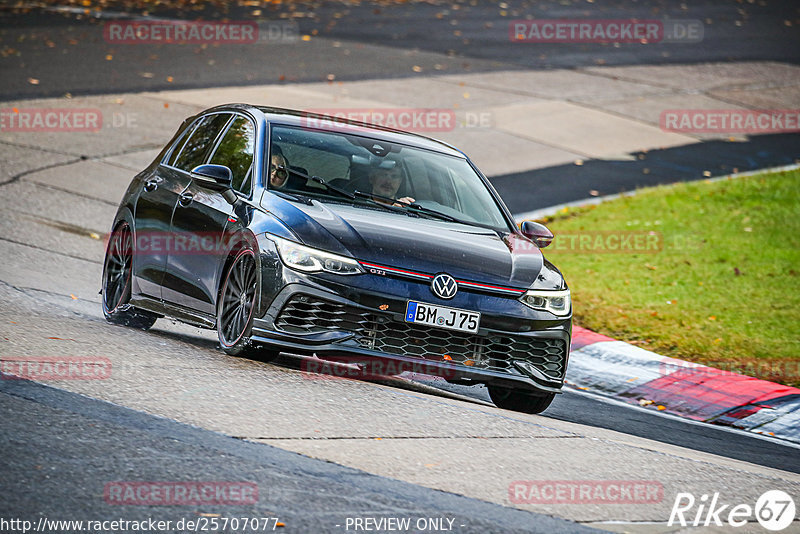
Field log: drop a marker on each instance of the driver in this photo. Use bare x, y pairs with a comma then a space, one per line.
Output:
386, 183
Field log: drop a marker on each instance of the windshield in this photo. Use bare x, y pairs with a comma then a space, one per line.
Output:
391, 174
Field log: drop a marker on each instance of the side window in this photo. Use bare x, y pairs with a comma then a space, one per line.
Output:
199, 142
235, 151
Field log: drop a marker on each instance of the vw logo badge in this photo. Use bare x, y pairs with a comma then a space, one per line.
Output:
444, 286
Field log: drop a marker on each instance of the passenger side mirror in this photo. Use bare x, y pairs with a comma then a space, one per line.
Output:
539, 233
217, 178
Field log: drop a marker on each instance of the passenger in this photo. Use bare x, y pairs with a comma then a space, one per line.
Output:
278, 170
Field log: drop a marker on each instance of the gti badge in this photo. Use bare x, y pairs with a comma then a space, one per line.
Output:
444, 286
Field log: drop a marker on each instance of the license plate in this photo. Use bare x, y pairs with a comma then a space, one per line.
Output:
442, 317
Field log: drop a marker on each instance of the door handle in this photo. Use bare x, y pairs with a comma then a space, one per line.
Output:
151, 184
185, 199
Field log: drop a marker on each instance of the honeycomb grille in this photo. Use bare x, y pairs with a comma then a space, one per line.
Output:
306, 314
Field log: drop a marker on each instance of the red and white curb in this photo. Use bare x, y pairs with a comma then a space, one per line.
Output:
611, 368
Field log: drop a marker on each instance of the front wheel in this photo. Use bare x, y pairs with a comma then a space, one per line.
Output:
520, 401
116, 289
235, 308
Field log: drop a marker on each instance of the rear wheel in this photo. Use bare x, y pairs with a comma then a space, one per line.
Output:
235, 308
520, 401
117, 282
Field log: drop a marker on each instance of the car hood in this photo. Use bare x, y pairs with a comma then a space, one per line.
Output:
418, 244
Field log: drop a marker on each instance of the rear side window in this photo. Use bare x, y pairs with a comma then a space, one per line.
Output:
200, 141
235, 151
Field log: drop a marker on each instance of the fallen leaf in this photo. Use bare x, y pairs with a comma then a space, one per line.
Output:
416, 68
73, 297
645, 402
33, 81
660, 408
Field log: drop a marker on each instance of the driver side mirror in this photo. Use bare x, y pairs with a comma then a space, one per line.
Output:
217, 178
539, 233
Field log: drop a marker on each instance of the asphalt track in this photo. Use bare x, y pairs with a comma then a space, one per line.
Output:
66, 52
87, 442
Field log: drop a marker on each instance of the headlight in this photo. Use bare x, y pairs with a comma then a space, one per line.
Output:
311, 260
557, 302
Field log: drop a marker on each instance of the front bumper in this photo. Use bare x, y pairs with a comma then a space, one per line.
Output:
368, 328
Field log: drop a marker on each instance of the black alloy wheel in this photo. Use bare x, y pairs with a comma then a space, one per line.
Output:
117, 282
236, 303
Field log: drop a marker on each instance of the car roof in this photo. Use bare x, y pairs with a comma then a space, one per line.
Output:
293, 117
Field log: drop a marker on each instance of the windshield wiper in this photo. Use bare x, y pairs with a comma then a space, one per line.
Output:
320, 181
342, 192
393, 204
414, 206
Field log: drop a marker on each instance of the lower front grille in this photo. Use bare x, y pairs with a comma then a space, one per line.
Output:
307, 314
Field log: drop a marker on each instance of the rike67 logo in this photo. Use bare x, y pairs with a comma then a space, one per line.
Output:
774, 510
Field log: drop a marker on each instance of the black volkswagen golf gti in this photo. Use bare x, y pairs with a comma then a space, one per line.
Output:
340, 241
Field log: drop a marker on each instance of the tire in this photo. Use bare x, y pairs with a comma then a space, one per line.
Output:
235, 307
520, 401
116, 291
